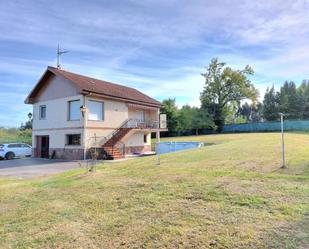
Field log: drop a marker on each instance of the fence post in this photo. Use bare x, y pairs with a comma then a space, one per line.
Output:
282, 140
157, 146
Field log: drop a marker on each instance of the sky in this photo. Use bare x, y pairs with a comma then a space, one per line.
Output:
157, 46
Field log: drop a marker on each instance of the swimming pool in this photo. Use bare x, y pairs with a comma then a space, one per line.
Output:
167, 147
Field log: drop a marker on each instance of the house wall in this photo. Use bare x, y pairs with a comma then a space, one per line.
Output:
57, 143
135, 142
56, 114
115, 113
56, 87
149, 114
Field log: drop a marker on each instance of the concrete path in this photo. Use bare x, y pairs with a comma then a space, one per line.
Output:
34, 167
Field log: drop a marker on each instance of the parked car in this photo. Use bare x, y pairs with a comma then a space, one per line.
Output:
11, 150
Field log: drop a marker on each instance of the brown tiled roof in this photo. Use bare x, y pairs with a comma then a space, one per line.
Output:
100, 87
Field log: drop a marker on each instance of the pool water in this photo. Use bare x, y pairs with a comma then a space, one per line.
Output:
167, 147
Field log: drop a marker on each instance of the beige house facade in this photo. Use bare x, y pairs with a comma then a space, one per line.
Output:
73, 114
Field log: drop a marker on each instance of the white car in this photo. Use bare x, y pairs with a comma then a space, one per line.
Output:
9, 151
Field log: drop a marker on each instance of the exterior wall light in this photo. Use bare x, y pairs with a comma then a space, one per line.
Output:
83, 109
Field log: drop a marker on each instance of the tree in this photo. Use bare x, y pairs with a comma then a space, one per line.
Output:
290, 101
271, 104
193, 118
303, 94
185, 117
256, 112
170, 109
200, 120
28, 124
224, 85
250, 112
245, 111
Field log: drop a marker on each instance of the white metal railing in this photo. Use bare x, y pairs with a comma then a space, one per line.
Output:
142, 124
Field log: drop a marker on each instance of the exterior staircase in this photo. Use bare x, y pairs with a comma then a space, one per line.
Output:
113, 146
113, 152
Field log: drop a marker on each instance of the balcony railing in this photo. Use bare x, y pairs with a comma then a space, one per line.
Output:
142, 124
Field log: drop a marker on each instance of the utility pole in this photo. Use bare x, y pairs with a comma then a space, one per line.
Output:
59, 53
282, 141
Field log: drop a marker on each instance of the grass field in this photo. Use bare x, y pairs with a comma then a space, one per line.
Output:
229, 194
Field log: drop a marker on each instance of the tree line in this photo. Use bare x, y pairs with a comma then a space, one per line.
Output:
291, 100
229, 97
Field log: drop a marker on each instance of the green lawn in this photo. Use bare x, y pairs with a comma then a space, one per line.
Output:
230, 194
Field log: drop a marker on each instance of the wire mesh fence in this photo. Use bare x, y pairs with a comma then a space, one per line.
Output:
291, 123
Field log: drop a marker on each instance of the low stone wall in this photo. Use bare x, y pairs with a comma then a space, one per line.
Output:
78, 154
68, 154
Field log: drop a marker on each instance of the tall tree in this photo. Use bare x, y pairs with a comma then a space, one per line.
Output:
170, 109
271, 104
290, 101
245, 111
224, 85
303, 93
256, 112
201, 120
193, 118
185, 117
251, 112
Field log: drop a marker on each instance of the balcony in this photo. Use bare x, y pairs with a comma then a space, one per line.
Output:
142, 124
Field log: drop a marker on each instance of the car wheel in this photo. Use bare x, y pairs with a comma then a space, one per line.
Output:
9, 155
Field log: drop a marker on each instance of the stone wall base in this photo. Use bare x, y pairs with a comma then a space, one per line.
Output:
78, 154
137, 149
67, 154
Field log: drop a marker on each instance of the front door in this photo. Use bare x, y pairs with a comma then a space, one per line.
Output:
43, 146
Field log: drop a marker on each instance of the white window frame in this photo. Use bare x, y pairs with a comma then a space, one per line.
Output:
103, 110
40, 112
69, 110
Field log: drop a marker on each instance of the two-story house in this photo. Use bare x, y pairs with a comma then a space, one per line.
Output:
74, 113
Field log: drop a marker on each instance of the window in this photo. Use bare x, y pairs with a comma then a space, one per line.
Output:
96, 110
73, 139
74, 112
42, 111
25, 146
141, 116
14, 145
145, 138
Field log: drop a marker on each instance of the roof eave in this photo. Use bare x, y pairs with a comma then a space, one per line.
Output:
92, 93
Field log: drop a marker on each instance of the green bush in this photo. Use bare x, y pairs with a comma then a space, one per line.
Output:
15, 135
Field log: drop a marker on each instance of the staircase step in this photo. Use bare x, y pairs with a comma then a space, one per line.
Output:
120, 157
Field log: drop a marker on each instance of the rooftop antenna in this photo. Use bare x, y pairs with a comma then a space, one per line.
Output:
59, 52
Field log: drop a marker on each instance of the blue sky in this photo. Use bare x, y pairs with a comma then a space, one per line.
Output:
159, 46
